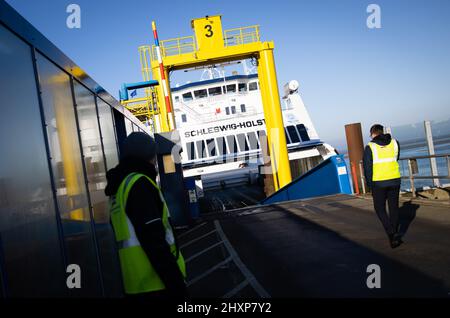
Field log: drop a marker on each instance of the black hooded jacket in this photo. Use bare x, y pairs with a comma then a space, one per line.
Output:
382, 140
144, 209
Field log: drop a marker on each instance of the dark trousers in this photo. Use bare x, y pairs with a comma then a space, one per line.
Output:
380, 196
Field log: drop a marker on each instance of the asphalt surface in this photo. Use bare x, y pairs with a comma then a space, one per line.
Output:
322, 248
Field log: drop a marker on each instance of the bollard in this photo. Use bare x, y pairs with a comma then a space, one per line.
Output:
355, 178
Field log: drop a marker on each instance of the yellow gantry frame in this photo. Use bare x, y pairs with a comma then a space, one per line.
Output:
211, 45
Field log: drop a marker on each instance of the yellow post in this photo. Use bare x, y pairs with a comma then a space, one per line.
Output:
272, 109
165, 127
267, 118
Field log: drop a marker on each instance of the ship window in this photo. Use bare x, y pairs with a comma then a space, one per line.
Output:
262, 137
303, 133
293, 134
201, 149
253, 140
183, 118
233, 109
213, 91
253, 86
243, 108
286, 134
190, 150
211, 145
187, 97
221, 146
232, 144
177, 98
242, 87
227, 110
243, 145
230, 88
201, 93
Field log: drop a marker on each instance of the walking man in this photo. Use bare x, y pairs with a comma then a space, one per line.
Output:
382, 174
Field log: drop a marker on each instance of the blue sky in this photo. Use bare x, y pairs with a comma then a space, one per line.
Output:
395, 75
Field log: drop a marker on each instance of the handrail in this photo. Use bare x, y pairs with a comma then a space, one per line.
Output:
413, 170
426, 156
187, 44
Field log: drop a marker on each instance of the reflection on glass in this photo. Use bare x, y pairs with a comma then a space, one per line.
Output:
68, 173
28, 228
63, 140
95, 169
92, 151
108, 135
128, 126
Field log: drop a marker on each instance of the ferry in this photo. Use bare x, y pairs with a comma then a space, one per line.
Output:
221, 125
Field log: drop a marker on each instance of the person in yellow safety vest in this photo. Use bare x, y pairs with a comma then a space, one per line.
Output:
382, 174
151, 263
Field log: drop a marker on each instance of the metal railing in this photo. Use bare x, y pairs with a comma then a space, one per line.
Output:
176, 46
413, 170
187, 44
241, 36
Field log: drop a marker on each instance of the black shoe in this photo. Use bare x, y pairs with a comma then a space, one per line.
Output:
395, 240
398, 237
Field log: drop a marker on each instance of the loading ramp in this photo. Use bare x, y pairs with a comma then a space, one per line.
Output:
321, 247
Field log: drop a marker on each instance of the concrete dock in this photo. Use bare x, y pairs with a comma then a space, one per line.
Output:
318, 248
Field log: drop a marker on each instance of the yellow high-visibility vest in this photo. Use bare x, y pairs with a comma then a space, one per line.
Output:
385, 165
138, 274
